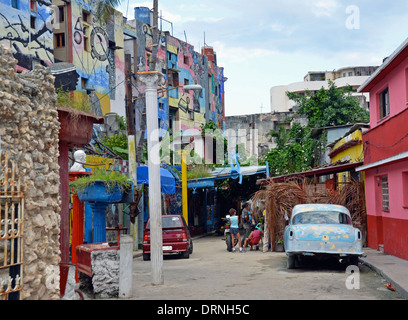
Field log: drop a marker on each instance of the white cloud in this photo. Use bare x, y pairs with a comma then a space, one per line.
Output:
227, 55
324, 7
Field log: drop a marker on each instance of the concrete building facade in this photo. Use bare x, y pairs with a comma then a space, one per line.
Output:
315, 80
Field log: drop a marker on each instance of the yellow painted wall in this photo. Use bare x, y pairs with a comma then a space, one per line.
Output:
94, 161
354, 153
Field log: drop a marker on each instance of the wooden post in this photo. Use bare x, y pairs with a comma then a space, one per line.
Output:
130, 115
184, 194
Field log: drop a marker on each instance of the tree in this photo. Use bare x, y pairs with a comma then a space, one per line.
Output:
105, 8
331, 107
294, 151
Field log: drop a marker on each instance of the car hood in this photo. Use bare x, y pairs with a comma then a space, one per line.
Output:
324, 232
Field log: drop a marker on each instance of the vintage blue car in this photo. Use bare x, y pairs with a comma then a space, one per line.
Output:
321, 230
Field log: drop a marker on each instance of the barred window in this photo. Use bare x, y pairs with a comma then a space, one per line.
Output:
385, 193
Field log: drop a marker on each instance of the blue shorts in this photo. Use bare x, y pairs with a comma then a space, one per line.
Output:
234, 230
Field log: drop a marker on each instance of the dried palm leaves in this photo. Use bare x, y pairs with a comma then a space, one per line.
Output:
280, 198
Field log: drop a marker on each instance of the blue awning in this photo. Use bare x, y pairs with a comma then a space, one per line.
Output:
167, 181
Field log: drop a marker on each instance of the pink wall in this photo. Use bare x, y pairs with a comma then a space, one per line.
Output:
388, 227
398, 209
388, 137
397, 83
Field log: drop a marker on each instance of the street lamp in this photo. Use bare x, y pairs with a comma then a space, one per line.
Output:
196, 88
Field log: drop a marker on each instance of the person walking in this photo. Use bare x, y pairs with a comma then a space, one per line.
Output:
245, 220
234, 230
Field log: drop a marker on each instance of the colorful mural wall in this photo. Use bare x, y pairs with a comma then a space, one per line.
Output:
98, 62
216, 89
95, 49
26, 28
185, 67
181, 65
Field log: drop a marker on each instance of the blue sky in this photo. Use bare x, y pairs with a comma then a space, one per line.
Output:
264, 43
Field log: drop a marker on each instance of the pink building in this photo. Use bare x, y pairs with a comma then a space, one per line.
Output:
386, 155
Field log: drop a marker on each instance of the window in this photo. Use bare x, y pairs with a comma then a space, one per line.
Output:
61, 14
385, 193
86, 46
60, 40
86, 16
384, 103
186, 82
406, 85
186, 60
405, 189
32, 22
350, 73
190, 114
14, 4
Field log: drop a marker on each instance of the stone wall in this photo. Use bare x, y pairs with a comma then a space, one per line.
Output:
29, 131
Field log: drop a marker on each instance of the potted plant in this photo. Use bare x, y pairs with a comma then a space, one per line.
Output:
102, 186
279, 246
101, 189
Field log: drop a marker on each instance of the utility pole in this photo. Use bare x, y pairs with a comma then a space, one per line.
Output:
155, 35
130, 115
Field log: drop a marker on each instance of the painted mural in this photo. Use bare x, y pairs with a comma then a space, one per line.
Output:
98, 57
186, 66
26, 28
144, 59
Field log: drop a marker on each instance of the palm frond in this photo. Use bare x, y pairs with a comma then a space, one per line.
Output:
105, 9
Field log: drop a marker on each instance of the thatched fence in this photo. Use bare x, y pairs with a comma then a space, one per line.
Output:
280, 198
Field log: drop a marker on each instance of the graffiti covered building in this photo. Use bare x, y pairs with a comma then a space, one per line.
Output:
26, 29
96, 50
180, 65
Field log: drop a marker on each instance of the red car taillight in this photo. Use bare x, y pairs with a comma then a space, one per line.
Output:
185, 237
146, 238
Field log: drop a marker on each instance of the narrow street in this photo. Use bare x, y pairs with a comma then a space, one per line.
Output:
213, 273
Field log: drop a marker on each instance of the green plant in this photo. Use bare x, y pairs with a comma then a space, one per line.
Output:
119, 144
329, 107
295, 151
199, 171
110, 178
280, 241
64, 100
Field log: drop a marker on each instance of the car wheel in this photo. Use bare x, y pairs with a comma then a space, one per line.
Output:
291, 262
186, 254
146, 256
191, 247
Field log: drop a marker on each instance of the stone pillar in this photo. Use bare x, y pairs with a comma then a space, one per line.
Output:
151, 79
126, 267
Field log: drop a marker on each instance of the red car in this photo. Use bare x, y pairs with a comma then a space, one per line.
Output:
176, 237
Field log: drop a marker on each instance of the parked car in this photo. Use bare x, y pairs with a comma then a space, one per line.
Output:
322, 231
176, 237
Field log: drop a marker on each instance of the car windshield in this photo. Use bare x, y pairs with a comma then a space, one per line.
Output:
321, 217
170, 222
